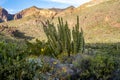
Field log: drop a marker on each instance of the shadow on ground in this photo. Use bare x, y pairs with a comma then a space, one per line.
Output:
21, 35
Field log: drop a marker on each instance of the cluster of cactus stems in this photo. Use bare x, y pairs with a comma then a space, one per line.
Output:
63, 40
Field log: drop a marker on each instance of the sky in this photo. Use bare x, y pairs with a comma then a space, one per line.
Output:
14, 6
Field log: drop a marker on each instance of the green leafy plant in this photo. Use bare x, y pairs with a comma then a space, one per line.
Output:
100, 66
38, 48
16, 63
103, 66
11, 56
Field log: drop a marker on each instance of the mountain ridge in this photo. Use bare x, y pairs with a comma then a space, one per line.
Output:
4, 15
44, 11
30, 11
100, 22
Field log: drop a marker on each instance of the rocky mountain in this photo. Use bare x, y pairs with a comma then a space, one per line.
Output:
92, 3
38, 12
67, 10
25, 20
32, 11
4, 15
57, 9
100, 20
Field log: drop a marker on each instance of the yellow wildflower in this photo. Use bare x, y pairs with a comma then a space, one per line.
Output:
54, 62
42, 50
64, 69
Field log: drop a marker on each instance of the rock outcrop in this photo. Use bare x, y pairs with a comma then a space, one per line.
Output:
17, 16
8, 30
34, 11
67, 10
3, 15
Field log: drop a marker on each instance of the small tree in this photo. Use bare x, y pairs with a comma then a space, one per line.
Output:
62, 40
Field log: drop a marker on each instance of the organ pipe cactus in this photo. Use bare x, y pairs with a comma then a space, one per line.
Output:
63, 40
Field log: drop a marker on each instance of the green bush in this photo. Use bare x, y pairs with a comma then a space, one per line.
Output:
101, 66
38, 48
16, 64
11, 55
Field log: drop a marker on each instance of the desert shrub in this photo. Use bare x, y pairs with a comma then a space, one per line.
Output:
62, 40
10, 57
82, 63
101, 66
15, 63
38, 48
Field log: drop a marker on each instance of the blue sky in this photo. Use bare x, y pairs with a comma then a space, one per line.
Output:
14, 6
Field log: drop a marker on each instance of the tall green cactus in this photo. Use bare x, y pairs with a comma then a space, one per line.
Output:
78, 39
62, 40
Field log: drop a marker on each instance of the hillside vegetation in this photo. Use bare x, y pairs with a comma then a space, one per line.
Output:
63, 56
61, 46
100, 21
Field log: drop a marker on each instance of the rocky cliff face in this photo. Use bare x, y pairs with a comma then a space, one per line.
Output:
56, 10
26, 12
17, 16
34, 11
3, 15
67, 10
